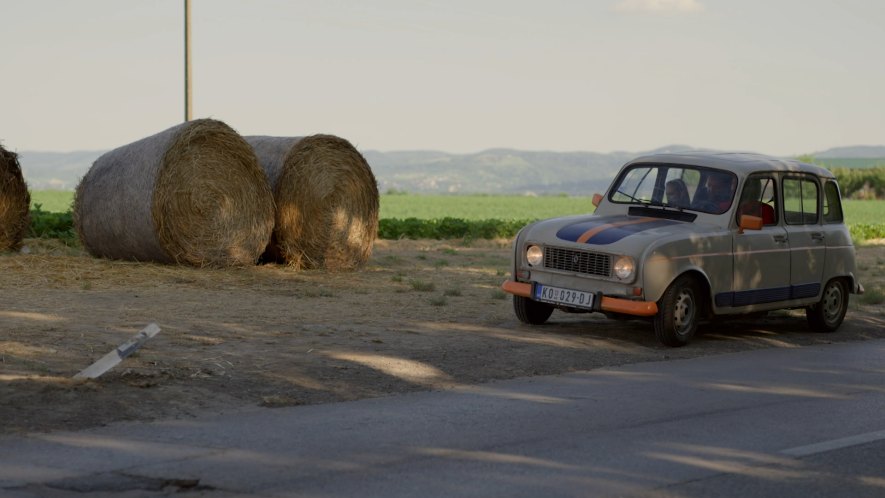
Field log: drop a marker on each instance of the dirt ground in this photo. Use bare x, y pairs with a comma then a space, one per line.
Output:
422, 315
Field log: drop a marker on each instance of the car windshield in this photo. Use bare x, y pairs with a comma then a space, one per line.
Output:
684, 187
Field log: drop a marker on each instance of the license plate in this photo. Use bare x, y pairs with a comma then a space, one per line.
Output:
568, 297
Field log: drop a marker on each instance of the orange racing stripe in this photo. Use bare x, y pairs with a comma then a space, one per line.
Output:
595, 230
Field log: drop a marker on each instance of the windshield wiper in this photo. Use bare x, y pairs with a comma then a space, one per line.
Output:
670, 206
638, 201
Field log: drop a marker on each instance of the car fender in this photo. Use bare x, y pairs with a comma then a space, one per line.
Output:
709, 257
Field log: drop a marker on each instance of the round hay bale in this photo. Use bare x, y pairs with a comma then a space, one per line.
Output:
326, 198
192, 194
15, 202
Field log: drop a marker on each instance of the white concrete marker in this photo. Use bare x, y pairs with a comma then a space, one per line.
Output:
111, 359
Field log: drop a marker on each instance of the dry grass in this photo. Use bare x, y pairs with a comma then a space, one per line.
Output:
234, 337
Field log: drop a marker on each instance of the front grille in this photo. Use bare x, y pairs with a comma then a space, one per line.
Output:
587, 262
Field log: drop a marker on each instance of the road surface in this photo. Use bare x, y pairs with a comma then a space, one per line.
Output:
800, 422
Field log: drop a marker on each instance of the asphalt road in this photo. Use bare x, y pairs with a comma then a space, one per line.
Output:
800, 422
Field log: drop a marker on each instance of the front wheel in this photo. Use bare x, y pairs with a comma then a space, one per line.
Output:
531, 312
678, 312
827, 315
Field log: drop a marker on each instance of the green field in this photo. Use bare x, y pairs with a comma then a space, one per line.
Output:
482, 207
865, 212
54, 201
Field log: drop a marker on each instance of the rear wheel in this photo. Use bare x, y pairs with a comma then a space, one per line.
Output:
531, 312
827, 315
678, 312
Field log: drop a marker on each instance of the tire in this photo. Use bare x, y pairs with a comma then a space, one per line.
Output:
531, 312
678, 312
827, 315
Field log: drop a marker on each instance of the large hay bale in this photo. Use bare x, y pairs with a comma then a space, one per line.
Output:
15, 202
326, 201
191, 194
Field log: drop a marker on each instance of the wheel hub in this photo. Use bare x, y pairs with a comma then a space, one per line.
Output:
832, 303
683, 314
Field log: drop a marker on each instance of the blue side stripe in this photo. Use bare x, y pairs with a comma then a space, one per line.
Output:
762, 296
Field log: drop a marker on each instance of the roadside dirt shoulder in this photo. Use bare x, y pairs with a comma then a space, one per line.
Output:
422, 315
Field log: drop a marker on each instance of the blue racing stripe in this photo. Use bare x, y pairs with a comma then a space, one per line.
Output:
571, 233
615, 234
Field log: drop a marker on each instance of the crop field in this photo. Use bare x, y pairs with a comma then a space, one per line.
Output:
425, 207
864, 212
53, 201
484, 207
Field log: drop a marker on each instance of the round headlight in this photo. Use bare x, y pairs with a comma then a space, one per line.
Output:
624, 268
534, 255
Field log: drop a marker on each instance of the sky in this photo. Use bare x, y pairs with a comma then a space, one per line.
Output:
782, 77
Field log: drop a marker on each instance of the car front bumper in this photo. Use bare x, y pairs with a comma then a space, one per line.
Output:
606, 304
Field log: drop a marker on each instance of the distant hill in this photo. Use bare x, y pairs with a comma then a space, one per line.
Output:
859, 156
56, 170
492, 171
854, 152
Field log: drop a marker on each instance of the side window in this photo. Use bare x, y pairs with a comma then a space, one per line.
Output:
832, 203
758, 198
801, 199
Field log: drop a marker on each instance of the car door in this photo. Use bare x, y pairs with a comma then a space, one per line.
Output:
761, 257
840, 249
808, 247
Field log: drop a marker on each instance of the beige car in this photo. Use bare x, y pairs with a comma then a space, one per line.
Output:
679, 238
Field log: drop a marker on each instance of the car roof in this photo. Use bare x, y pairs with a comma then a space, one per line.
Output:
738, 162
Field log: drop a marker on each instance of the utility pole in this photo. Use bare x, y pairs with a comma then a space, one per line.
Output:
188, 104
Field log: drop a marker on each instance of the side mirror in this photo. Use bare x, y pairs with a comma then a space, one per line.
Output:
749, 222
597, 198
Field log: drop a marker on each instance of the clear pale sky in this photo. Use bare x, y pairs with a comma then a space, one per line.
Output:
783, 77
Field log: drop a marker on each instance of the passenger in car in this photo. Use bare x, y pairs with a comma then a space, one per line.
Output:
716, 195
677, 193
721, 189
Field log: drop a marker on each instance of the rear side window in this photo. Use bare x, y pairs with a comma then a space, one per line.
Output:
758, 199
801, 200
832, 203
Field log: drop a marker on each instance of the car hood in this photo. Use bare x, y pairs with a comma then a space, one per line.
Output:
621, 234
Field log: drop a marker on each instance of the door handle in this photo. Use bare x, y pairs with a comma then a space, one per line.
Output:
818, 236
780, 239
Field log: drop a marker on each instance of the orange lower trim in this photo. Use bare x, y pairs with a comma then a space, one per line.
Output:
517, 288
611, 304
628, 307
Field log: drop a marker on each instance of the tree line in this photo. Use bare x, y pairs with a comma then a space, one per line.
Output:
861, 183
855, 183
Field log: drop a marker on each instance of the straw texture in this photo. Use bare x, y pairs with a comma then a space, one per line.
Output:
192, 194
15, 202
326, 201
